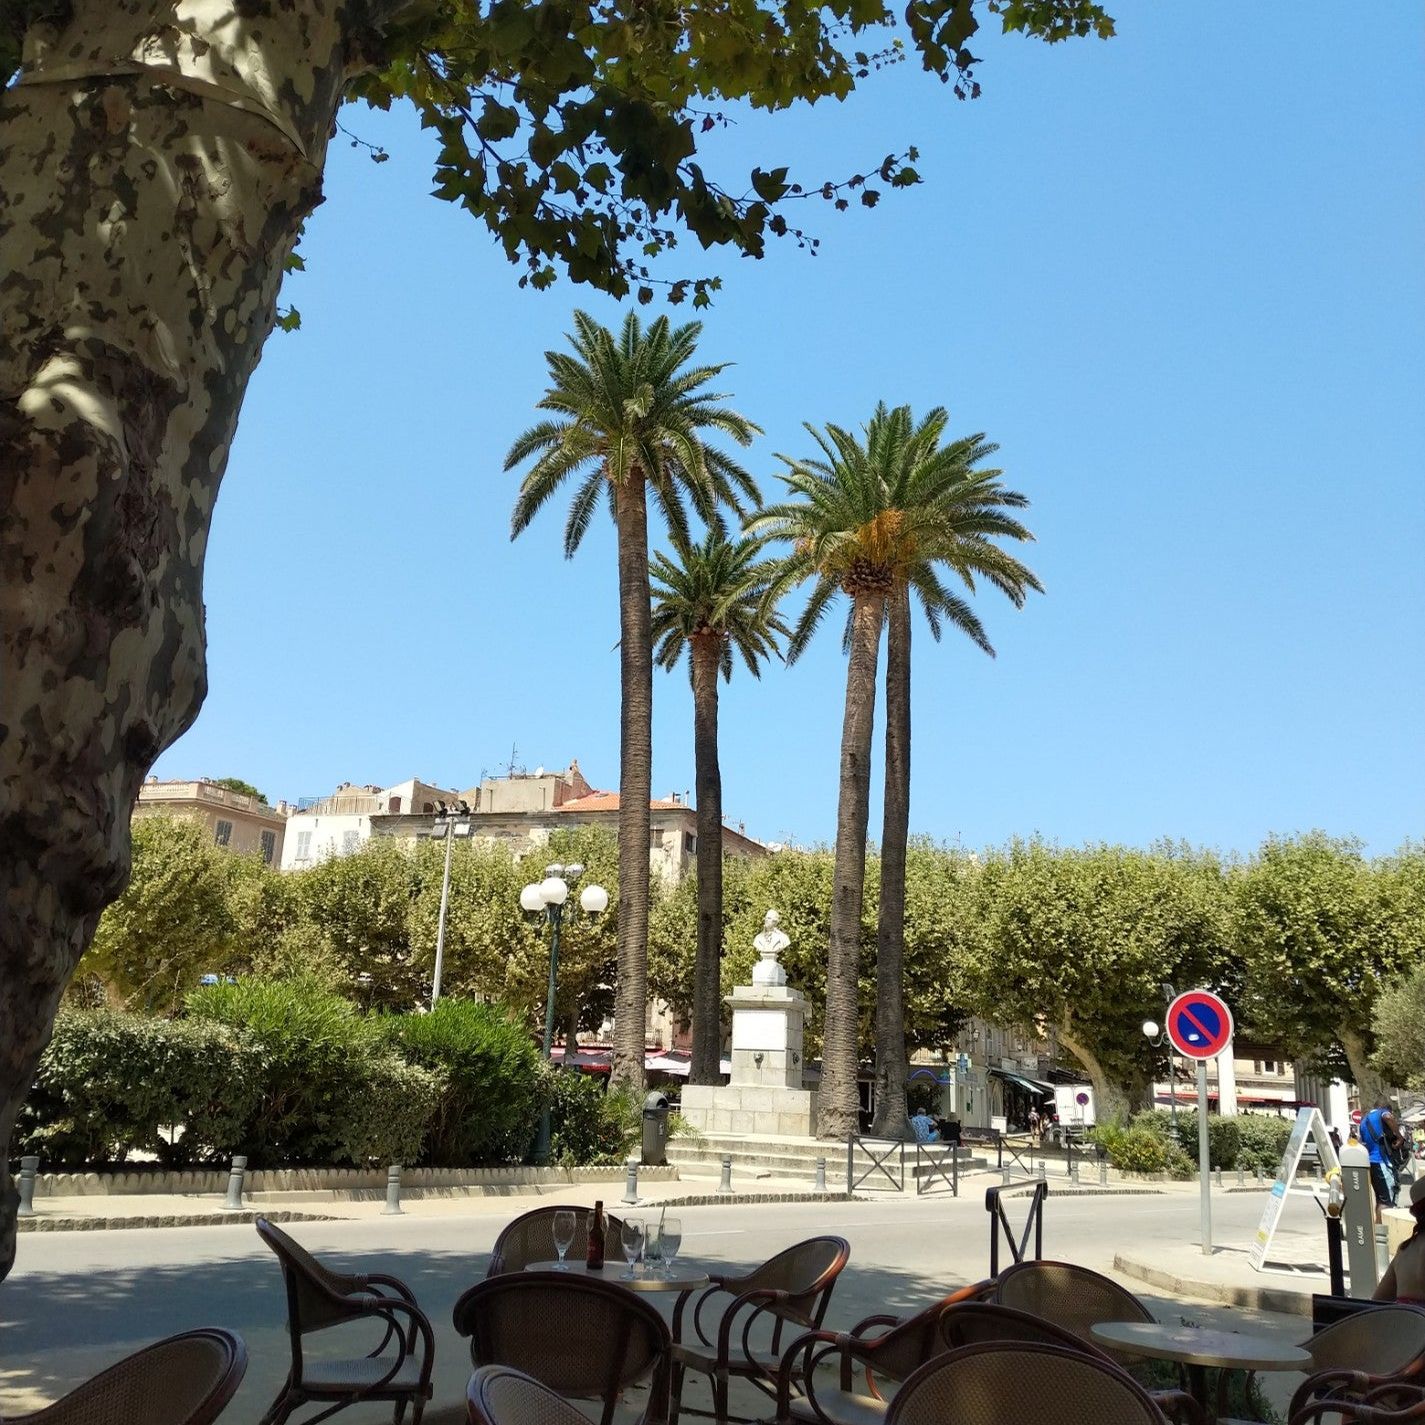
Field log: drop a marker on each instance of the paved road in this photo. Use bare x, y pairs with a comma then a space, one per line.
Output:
79, 1300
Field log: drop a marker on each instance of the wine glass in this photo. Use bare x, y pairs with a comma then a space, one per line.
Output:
563, 1236
653, 1247
669, 1240
632, 1244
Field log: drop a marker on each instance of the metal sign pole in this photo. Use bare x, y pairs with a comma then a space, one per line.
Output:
1204, 1176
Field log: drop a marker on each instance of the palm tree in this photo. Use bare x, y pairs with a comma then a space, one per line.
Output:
629, 414
714, 599
844, 538
958, 510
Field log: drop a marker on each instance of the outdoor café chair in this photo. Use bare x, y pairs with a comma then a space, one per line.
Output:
318, 1298
794, 1286
904, 1346
500, 1395
1358, 1355
1070, 1296
183, 1380
1010, 1382
530, 1238
578, 1335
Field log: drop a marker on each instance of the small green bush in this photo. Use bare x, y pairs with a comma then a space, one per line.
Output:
589, 1125
1263, 1141
110, 1083
1224, 1139
314, 1047
385, 1113
1141, 1150
495, 1081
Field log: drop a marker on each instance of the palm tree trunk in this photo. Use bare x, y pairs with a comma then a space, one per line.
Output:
837, 1104
707, 977
635, 785
890, 1117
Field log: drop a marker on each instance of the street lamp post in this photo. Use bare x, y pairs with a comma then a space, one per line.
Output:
1158, 1038
549, 896
446, 827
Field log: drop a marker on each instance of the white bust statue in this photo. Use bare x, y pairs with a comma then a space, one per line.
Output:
769, 944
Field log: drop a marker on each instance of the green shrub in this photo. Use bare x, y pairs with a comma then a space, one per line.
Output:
1141, 1150
110, 1083
385, 1112
589, 1125
495, 1083
1155, 1120
313, 1047
1224, 1139
1263, 1138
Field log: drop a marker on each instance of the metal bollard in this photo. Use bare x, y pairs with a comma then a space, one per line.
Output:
1043, 1168
1257, 1174
1241, 1175
725, 1186
630, 1185
1073, 1170
233, 1201
1219, 1177
820, 1184
393, 1206
29, 1166
1004, 1174
1103, 1172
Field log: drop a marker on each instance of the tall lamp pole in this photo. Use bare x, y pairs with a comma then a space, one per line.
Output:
549, 896
1158, 1038
447, 826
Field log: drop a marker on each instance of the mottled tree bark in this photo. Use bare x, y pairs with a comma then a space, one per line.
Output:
156, 162
837, 1102
635, 783
1369, 1081
890, 1120
1112, 1100
707, 972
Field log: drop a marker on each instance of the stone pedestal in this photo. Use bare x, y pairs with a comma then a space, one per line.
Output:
766, 1093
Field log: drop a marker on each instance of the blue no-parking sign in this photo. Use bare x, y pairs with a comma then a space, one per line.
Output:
1199, 1024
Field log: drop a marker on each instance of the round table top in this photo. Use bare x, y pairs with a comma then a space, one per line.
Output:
677, 1278
1195, 1346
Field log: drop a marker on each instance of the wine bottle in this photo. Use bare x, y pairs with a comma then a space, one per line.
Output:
594, 1259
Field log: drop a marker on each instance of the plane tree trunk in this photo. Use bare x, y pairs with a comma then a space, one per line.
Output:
154, 175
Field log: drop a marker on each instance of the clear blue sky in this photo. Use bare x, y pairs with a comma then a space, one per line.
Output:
1177, 276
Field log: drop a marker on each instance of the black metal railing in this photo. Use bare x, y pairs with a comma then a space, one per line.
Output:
881, 1151
999, 1223
936, 1157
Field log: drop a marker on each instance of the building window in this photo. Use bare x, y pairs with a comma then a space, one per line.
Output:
1269, 1065
350, 840
395, 805
223, 833
269, 846
304, 846
690, 843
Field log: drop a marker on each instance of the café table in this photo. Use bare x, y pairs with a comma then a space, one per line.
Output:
1199, 1349
677, 1278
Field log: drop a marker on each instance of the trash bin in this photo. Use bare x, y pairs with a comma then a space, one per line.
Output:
655, 1129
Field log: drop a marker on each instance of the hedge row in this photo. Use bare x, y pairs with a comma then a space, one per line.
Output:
1147, 1145
290, 1075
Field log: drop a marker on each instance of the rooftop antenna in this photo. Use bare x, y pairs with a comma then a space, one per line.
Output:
514, 753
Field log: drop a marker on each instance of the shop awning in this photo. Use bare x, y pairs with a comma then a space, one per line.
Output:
1030, 1086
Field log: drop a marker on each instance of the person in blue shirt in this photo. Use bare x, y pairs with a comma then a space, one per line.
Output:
923, 1126
1380, 1135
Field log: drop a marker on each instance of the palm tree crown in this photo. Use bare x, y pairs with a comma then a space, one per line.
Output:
624, 407
881, 513
718, 589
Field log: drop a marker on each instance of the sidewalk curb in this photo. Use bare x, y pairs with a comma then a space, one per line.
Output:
1254, 1298
215, 1218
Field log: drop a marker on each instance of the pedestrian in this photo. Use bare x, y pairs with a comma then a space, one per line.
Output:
1034, 1124
1382, 1140
1335, 1136
1404, 1278
923, 1126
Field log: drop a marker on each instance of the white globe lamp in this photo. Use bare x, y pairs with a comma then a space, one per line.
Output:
554, 890
594, 900
532, 897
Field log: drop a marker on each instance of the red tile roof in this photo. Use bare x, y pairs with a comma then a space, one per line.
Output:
608, 801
